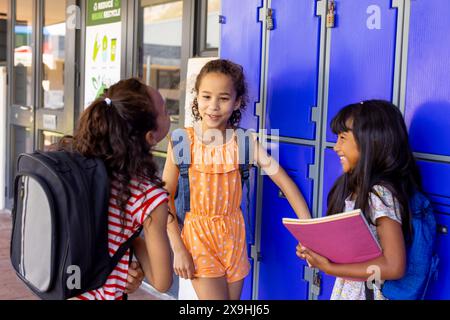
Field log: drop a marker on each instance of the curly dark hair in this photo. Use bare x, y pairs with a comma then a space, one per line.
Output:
116, 134
236, 73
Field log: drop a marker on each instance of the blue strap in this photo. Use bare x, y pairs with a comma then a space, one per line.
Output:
244, 168
182, 156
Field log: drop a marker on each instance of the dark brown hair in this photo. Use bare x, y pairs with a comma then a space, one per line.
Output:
236, 73
386, 158
115, 132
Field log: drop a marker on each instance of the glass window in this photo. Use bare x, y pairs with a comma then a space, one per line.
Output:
53, 35
3, 31
23, 54
162, 33
48, 138
21, 142
212, 25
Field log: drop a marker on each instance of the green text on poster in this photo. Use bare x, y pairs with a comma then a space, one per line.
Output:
103, 11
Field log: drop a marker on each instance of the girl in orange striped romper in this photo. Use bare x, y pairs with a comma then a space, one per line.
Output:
211, 249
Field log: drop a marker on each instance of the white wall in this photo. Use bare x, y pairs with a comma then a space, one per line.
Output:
3, 92
195, 65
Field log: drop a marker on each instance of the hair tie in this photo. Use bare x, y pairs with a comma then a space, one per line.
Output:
108, 101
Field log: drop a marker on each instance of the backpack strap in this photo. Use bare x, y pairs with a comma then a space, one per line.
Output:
120, 253
181, 146
244, 168
370, 294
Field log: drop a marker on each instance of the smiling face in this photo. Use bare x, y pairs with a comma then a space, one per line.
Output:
216, 100
347, 150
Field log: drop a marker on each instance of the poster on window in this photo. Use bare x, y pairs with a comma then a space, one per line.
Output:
103, 43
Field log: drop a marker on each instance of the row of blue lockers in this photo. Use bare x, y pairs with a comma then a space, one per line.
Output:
363, 48
362, 63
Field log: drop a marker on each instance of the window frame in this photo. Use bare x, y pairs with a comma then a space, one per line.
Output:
201, 20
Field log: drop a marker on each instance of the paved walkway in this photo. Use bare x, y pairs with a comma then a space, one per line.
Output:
11, 288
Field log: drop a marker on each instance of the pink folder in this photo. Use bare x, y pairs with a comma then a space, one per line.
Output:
342, 238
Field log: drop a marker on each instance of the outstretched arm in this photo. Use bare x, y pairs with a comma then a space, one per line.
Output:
273, 169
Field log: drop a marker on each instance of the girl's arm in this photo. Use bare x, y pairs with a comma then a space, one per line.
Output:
390, 265
153, 252
183, 264
273, 169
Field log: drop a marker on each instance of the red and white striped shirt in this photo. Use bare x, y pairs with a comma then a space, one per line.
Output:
145, 198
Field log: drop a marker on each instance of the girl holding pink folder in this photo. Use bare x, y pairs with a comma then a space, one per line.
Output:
379, 177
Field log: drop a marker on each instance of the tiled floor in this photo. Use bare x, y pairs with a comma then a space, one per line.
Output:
11, 288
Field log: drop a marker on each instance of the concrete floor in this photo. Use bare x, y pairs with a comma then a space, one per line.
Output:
11, 288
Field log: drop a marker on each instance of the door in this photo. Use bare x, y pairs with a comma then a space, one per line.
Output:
41, 104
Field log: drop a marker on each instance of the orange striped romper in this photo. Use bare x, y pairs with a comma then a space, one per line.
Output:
214, 229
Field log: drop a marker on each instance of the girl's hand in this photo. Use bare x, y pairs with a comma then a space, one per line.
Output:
314, 260
183, 264
135, 277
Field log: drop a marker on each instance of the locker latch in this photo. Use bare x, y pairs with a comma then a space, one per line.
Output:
255, 254
313, 277
269, 19
331, 14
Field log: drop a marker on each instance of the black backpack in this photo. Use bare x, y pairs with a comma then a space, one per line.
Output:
59, 240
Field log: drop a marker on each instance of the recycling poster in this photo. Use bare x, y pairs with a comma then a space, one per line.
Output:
103, 47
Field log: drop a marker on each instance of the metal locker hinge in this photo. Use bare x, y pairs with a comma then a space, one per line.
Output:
256, 255
315, 114
331, 14
312, 171
268, 15
313, 277
270, 25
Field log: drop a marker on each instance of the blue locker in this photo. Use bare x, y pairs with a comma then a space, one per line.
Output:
332, 170
241, 38
248, 283
435, 181
439, 289
293, 68
427, 111
281, 271
435, 178
362, 54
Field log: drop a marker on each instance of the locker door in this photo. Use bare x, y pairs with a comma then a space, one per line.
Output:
240, 41
427, 112
281, 271
435, 177
362, 54
333, 170
440, 288
241, 38
292, 72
